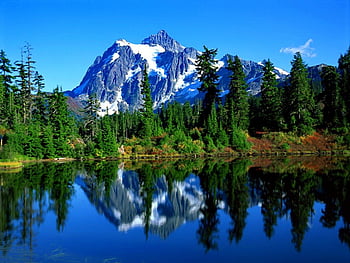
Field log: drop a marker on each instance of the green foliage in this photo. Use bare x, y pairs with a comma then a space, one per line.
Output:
209, 144
90, 121
333, 102
238, 140
300, 104
48, 142
271, 104
222, 139
147, 115
39, 125
344, 68
206, 70
237, 100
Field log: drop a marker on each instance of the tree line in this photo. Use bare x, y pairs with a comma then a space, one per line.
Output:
39, 124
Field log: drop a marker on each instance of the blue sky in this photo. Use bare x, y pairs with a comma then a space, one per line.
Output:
67, 35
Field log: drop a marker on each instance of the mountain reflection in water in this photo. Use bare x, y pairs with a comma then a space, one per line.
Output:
159, 197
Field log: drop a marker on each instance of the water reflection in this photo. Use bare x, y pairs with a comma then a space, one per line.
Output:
162, 196
25, 198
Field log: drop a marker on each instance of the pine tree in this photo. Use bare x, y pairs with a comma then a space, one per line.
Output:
6, 71
237, 99
61, 122
271, 107
91, 118
40, 111
2, 101
108, 141
147, 114
25, 69
299, 98
212, 124
47, 142
188, 116
33, 146
256, 122
333, 105
344, 67
206, 70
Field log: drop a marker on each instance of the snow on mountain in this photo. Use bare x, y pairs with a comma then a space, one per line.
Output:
148, 52
115, 76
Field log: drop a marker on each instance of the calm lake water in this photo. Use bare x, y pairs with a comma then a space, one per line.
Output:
243, 210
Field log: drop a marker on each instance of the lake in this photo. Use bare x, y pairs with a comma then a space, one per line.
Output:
217, 210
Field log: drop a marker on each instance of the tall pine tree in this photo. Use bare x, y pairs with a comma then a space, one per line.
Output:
344, 67
271, 107
147, 115
300, 102
333, 104
237, 99
25, 69
61, 122
9, 104
206, 69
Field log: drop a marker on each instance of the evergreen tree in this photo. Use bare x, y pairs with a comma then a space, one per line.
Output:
108, 142
91, 118
6, 71
25, 69
344, 67
206, 70
2, 101
256, 122
271, 107
33, 146
40, 111
47, 142
147, 114
237, 99
5, 89
188, 116
61, 122
299, 98
332, 111
212, 124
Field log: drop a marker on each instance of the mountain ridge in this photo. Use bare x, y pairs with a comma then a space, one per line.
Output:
115, 76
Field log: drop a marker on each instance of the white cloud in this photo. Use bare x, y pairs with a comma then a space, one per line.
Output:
305, 50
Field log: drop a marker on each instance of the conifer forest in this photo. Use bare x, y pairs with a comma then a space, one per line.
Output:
288, 118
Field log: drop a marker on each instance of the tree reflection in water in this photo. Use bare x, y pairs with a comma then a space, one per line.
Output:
25, 198
165, 195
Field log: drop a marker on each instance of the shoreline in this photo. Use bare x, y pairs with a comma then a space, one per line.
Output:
334, 153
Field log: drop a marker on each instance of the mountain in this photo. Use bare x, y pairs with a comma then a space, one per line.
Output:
115, 76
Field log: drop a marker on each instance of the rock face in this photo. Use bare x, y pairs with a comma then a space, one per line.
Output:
115, 76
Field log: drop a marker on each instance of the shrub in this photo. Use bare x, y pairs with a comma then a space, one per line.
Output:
209, 143
239, 140
285, 146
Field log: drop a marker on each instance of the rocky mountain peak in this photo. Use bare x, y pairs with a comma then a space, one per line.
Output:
163, 39
115, 76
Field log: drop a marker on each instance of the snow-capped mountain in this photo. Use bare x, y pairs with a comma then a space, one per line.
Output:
115, 76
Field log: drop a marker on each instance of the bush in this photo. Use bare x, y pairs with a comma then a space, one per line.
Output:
222, 140
239, 140
285, 146
209, 143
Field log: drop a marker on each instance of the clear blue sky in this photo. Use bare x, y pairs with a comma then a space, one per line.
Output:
67, 35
